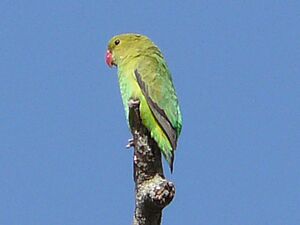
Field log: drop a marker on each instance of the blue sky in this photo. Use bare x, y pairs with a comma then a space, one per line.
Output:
236, 67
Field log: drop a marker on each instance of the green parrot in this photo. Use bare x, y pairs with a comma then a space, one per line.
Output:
144, 76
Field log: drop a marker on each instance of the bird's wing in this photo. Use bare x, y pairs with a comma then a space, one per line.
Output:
156, 84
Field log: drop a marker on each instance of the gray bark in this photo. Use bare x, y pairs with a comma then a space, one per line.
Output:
153, 191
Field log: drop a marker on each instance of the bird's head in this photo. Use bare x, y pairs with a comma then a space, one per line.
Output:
126, 46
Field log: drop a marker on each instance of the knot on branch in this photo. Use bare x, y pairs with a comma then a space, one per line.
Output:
159, 193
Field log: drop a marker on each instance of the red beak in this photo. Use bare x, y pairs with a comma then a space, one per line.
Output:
109, 58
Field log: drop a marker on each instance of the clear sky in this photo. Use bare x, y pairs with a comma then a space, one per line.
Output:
236, 68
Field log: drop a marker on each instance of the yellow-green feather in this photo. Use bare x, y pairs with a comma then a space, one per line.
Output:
131, 90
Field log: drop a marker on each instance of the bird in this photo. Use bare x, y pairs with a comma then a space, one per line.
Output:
143, 75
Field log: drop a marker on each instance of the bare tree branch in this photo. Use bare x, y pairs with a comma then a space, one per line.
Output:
153, 191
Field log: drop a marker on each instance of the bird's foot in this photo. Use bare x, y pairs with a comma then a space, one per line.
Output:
130, 143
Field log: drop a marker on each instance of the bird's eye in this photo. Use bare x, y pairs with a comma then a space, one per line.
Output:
117, 42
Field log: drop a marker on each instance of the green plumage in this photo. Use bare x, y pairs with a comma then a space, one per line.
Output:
144, 75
